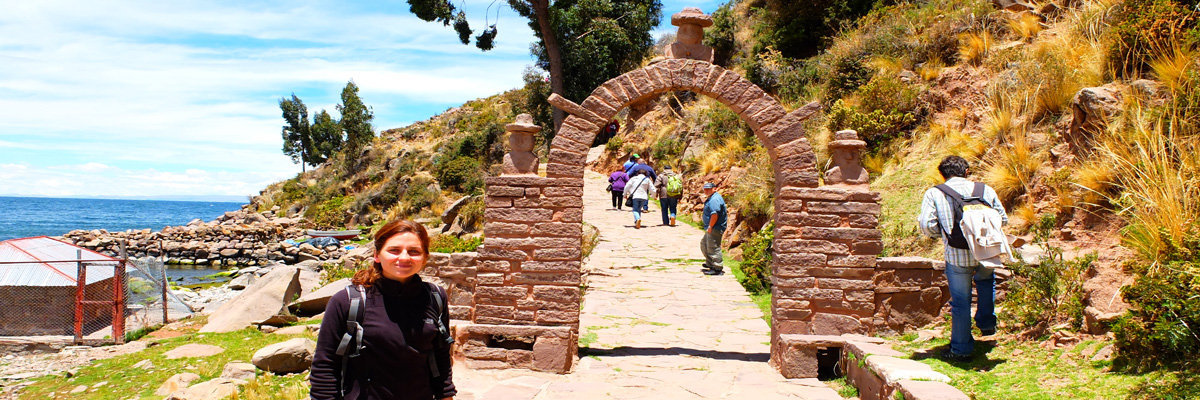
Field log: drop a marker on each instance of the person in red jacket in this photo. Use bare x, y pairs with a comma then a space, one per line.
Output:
400, 331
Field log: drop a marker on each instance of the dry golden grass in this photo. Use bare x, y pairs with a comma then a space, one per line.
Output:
1172, 64
1058, 67
973, 47
1024, 214
1158, 172
1095, 180
930, 70
1025, 25
723, 156
1011, 166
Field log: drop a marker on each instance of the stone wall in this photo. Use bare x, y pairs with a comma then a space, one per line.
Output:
457, 274
909, 293
241, 238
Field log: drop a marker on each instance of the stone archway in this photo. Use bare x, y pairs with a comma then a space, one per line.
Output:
526, 301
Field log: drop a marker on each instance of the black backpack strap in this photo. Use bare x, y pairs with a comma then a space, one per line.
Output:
354, 332
978, 192
443, 338
954, 235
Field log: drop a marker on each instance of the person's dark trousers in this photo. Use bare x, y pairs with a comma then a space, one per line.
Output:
618, 197
668, 205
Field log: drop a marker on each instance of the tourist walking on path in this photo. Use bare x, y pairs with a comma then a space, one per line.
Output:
670, 189
639, 189
713, 221
633, 160
404, 351
938, 218
616, 185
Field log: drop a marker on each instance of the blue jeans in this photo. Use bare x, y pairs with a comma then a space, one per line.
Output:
638, 206
668, 208
959, 279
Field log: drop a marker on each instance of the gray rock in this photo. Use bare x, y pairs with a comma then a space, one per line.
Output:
215, 389
451, 213
176, 383
239, 370
314, 302
241, 281
286, 357
261, 300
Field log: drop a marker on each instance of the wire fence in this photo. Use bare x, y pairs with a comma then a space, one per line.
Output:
86, 301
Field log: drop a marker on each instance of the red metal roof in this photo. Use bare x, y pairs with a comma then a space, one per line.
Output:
44, 261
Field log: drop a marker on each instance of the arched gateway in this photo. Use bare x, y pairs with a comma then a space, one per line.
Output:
526, 301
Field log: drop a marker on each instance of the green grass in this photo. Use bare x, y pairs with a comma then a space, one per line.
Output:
1013, 369
127, 382
900, 192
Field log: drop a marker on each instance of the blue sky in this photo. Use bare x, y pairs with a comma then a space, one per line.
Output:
147, 98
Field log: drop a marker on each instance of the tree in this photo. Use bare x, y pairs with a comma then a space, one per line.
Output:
356, 119
603, 27
297, 138
326, 136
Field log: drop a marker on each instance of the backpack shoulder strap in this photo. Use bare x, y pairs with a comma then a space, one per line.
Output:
978, 192
353, 328
444, 337
955, 197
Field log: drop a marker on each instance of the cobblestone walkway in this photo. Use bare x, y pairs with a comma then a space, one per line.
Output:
653, 326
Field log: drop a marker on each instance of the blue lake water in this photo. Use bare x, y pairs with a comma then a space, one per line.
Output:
38, 216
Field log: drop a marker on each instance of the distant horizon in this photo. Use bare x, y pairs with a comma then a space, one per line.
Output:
183, 198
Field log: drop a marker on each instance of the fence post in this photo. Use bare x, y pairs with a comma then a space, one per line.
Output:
163, 255
80, 278
118, 318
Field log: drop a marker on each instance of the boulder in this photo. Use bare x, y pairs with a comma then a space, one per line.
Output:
285, 357
239, 370
297, 329
241, 281
1097, 322
1091, 110
262, 299
452, 212
1013, 5
215, 389
315, 301
193, 350
176, 383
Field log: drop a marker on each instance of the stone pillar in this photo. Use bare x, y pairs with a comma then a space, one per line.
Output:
520, 159
689, 40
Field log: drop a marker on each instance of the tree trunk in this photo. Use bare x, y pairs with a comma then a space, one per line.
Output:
541, 9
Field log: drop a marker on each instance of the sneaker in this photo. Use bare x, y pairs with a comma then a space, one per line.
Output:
987, 332
672, 221
714, 272
954, 357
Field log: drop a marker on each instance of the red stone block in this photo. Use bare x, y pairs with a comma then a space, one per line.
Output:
563, 191
863, 221
568, 215
553, 354
505, 229
561, 253
797, 282
811, 246
843, 234
558, 278
766, 117
846, 273
493, 279
840, 283
495, 266
858, 261
518, 214
490, 311
563, 229
501, 292
599, 107
496, 253
796, 178
564, 170
549, 266
843, 207
504, 191
811, 294
798, 146
787, 216
558, 294
868, 247
799, 259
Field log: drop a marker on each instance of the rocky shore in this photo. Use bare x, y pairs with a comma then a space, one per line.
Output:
237, 238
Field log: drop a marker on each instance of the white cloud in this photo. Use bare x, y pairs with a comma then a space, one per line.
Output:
81, 180
164, 87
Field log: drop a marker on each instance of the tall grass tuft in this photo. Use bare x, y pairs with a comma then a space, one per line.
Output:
1025, 25
973, 46
1172, 65
1010, 168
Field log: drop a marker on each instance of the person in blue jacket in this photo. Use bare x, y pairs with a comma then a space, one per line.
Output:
713, 220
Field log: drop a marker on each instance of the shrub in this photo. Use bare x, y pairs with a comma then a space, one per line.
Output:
471, 214
453, 244
419, 195
463, 173
666, 149
1163, 323
846, 74
973, 47
330, 213
1047, 293
614, 145
1144, 28
754, 192
756, 259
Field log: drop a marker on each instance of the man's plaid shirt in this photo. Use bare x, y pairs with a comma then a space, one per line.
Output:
937, 212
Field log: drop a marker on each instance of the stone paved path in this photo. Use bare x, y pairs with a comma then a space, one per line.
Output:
653, 326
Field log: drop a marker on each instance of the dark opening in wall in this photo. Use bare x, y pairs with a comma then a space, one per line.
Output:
827, 363
511, 342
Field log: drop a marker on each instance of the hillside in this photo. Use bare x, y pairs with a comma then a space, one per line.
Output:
1080, 113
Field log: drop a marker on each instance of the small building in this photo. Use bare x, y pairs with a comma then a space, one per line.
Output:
40, 288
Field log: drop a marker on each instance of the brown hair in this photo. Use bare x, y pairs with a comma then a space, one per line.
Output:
367, 276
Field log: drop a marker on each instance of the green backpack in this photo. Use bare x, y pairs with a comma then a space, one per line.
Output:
674, 185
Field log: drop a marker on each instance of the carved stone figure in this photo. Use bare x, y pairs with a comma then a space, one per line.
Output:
520, 158
845, 152
689, 40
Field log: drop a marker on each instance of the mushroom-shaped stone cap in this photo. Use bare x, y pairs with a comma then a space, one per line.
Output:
523, 123
847, 139
691, 16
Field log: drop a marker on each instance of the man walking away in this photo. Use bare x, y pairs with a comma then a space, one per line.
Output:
670, 189
639, 189
633, 160
713, 221
940, 217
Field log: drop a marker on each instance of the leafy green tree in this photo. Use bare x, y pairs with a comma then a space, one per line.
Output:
326, 136
601, 38
297, 139
356, 119
800, 29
